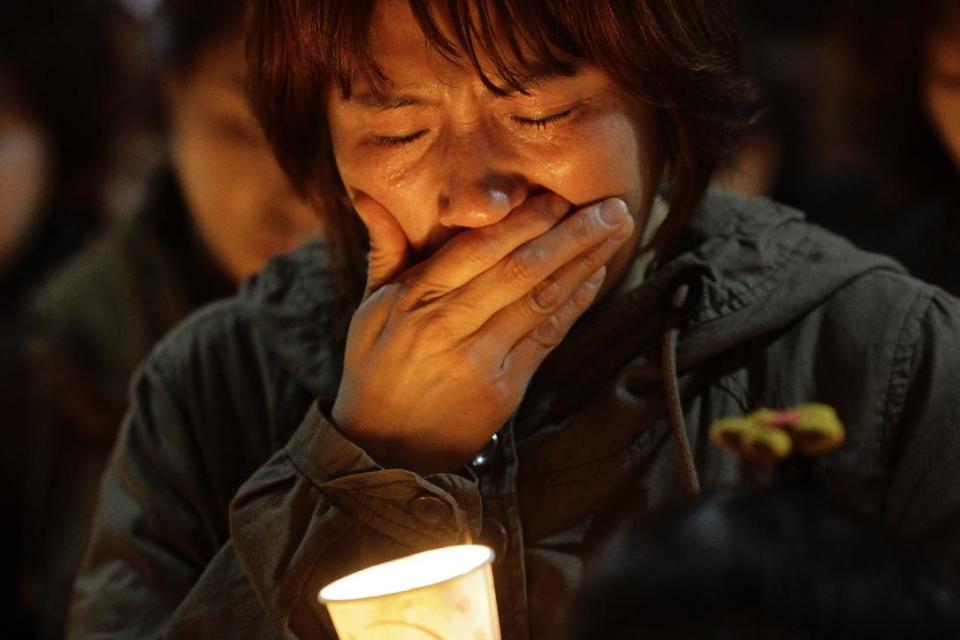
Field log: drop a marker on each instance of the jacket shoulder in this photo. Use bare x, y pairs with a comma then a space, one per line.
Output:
219, 331
87, 290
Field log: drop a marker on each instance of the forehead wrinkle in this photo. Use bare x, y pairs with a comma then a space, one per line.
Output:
391, 96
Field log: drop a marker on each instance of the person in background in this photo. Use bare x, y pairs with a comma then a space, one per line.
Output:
216, 212
894, 186
861, 130
62, 87
785, 562
940, 79
61, 82
783, 53
556, 307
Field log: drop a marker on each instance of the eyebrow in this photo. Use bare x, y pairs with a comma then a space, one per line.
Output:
386, 102
540, 75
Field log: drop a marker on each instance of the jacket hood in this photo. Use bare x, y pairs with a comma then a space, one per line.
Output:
755, 266
302, 313
752, 266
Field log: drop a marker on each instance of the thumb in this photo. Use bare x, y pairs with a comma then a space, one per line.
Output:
389, 251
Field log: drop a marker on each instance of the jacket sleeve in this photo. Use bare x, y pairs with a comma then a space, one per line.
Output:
924, 498
166, 561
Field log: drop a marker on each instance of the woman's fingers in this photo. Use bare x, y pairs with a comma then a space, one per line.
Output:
527, 355
475, 251
518, 319
544, 272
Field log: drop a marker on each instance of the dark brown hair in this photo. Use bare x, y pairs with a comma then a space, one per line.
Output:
682, 57
183, 29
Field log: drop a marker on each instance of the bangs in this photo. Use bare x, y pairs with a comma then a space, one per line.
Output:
504, 41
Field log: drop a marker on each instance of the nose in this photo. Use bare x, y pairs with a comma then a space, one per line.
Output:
480, 188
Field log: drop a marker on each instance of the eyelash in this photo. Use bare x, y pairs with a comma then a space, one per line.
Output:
539, 123
394, 141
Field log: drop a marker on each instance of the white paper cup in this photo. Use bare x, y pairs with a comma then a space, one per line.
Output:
443, 594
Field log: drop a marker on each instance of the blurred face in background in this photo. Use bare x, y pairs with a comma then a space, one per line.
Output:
941, 85
240, 201
25, 166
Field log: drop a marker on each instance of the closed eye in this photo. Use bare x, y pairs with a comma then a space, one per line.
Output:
542, 123
397, 141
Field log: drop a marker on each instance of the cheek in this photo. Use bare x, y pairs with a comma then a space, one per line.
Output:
609, 156
376, 173
209, 183
223, 179
398, 184
222, 200
24, 174
943, 107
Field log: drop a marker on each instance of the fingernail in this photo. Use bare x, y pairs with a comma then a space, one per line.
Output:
614, 211
598, 276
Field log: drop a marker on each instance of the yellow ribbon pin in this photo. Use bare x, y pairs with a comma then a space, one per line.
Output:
768, 435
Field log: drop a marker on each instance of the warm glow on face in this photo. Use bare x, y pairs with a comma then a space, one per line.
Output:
941, 85
412, 572
443, 154
240, 201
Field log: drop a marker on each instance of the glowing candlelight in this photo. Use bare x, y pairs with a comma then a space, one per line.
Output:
443, 594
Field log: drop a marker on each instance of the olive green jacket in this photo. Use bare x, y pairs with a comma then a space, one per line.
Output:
232, 499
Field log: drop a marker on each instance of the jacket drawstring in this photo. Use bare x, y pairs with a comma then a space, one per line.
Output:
668, 361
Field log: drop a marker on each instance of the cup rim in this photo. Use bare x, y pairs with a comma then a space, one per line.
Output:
487, 561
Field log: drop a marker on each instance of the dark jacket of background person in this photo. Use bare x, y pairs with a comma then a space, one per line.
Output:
89, 327
785, 562
231, 499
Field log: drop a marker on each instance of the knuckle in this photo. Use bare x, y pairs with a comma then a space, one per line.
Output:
473, 364
409, 294
435, 326
549, 333
414, 293
586, 225
595, 258
524, 264
584, 296
545, 296
389, 293
417, 290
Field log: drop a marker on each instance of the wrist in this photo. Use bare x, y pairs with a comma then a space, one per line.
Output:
396, 449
